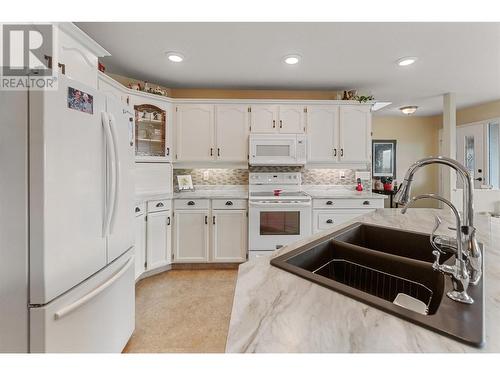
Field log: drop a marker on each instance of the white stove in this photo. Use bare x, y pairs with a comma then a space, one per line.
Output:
279, 212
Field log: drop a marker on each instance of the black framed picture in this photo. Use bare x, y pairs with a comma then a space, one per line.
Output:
384, 158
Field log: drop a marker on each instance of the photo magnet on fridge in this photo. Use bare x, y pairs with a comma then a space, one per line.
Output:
80, 101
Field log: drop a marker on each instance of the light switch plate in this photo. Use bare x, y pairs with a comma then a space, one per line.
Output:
206, 175
363, 175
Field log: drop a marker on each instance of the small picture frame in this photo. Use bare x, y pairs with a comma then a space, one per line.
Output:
384, 158
185, 182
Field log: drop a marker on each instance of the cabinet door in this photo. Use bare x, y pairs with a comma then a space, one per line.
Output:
140, 245
158, 239
264, 119
327, 219
355, 134
232, 126
153, 129
195, 138
322, 134
229, 235
291, 119
191, 236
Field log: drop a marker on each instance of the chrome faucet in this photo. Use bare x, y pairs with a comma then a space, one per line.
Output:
469, 245
458, 272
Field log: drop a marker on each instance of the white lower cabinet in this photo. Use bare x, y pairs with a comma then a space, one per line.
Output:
191, 237
210, 231
159, 239
229, 235
140, 242
326, 219
329, 212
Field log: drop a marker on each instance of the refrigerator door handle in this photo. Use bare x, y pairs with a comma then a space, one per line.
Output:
94, 293
111, 160
114, 135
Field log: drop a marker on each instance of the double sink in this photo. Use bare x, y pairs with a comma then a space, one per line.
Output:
391, 270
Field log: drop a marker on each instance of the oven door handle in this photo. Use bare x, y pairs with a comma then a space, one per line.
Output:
281, 205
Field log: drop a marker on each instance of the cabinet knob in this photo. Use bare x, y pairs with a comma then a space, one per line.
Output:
329, 203
229, 203
137, 209
329, 221
159, 204
366, 203
191, 203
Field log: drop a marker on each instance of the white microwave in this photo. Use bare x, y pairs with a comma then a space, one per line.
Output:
277, 149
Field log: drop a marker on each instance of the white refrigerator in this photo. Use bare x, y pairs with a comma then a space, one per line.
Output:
67, 273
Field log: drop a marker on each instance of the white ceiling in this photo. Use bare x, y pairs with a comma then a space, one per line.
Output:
452, 57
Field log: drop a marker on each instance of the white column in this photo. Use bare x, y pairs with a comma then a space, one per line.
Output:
449, 142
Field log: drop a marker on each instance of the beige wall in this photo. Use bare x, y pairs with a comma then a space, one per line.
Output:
417, 137
202, 93
476, 113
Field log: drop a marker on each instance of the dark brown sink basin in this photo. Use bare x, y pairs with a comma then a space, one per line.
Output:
375, 264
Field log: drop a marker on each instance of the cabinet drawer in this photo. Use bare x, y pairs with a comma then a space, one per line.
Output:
326, 219
191, 204
140, 209
348, 203
159, 205
229, 204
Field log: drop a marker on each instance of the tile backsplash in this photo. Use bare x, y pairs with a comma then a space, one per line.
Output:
217, 176
240, 176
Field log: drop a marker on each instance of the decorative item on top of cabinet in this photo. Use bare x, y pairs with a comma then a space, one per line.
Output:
151, 132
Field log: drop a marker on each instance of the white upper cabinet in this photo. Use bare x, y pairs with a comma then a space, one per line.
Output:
291, 119
323, 134
286, 119
355, 134
195, 132
232, 126
264, 118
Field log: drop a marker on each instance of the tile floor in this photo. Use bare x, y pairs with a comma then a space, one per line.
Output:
183, 311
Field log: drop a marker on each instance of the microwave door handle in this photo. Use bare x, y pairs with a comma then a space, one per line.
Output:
114, 134
110, 159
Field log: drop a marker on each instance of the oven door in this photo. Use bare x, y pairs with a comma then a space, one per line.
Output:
273, 225
273, 151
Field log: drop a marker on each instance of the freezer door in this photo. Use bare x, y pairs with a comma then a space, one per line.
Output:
67, 188
95, 317
121, 231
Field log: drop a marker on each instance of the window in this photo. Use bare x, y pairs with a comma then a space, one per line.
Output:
494, 154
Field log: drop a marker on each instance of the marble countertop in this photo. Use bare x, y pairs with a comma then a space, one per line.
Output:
276, 311
339, 192
146, 195
215, 191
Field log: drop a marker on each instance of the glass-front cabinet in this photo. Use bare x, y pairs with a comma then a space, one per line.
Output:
151, 143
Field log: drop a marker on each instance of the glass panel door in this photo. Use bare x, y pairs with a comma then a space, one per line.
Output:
494, 154
150, 131
471, 152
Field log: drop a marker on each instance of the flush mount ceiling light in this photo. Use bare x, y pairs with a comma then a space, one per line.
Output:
409, 109
291, 59
175, 57
405, 61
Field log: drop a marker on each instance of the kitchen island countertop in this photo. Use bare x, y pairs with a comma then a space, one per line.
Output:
275, 311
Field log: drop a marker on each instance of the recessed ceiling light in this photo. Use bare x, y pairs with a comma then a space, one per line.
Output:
405, 61
291, 59
175, 57
409, 109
